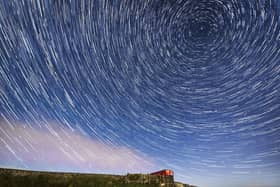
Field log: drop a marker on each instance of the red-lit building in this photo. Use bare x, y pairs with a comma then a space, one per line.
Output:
165, 172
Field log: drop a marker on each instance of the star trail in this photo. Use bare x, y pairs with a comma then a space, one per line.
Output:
128, 86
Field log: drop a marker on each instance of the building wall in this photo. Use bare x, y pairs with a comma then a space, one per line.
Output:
166, 181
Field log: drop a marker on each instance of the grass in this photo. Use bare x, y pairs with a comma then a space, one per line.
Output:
17, 178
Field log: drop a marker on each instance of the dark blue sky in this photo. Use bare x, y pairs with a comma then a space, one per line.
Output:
188, 85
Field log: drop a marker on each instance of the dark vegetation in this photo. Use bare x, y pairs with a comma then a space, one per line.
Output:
18, 178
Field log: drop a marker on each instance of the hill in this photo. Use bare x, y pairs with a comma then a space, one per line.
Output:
24, 178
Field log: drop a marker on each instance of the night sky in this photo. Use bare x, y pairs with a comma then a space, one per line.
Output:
117, 86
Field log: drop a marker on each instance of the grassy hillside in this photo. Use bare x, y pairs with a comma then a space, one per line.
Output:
20, 178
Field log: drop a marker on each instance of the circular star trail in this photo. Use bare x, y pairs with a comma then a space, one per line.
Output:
192, 84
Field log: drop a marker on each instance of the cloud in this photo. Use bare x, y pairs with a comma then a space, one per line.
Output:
54, 147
